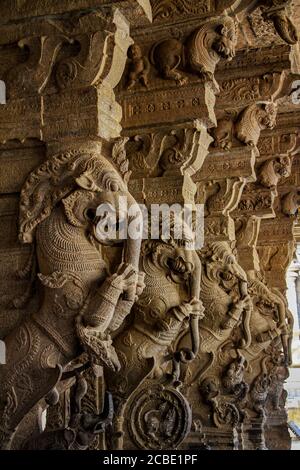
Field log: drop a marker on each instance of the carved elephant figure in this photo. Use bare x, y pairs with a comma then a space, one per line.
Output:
81, 301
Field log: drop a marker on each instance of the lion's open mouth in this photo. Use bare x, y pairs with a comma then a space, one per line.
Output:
224, 51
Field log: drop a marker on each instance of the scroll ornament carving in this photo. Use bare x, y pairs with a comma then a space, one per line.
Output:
102, 53
247, 128
98, 50
31, 76
273, 256
222, 196
250, 89
166, 154
83, 69
169, 8
58, 207
214, 40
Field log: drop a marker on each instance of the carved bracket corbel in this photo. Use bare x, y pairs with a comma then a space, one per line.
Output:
280, 14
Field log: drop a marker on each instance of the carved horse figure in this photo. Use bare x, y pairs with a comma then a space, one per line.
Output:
81, 299
168, 306
227, 305
270, 321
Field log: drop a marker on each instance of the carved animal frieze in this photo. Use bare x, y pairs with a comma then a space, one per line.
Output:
201, 53
290, 203
247, 127
253, 120
274, 170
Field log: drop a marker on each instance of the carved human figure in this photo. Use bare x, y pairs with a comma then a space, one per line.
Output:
81, 300
259, 393
278, 373
224, 412
233, 379
139, 67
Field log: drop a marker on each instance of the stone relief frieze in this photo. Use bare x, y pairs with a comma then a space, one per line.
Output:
147, 343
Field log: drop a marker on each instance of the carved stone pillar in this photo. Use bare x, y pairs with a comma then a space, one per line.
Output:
62, 112
147, 343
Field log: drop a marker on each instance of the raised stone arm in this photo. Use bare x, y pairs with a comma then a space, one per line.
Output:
101, 307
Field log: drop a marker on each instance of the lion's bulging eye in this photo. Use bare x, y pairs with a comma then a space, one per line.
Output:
90, 214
